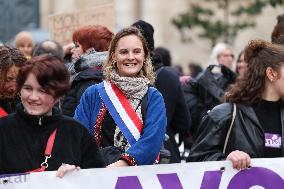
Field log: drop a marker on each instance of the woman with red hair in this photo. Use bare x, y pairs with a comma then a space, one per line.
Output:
88, 55
92, 37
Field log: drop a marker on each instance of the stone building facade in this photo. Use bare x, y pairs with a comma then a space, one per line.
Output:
160, 13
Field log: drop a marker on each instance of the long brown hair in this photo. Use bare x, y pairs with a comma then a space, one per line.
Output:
259, 55
9, 56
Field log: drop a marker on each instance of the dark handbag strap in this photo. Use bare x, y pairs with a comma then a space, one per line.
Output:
144, 107
47, 153
230, 128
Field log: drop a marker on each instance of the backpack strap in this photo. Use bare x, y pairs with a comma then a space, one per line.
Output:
144, 106
231, 126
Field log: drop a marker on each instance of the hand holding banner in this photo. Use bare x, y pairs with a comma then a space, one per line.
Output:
267, 173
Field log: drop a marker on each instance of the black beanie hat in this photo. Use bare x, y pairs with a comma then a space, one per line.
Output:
147, 31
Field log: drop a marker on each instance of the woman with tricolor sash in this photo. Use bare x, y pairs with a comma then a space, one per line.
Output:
128, 132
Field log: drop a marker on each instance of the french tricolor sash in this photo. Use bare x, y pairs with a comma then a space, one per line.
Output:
121, 111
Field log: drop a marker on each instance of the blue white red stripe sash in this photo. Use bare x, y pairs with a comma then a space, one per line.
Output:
121, 111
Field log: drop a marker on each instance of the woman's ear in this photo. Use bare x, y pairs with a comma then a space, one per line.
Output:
271, 74
113, 56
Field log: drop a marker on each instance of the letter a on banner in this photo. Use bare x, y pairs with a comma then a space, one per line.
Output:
130, 182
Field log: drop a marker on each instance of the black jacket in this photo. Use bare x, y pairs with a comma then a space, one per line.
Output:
81, 82
246, 135
9, 105
206, 92
178, 117
23, 142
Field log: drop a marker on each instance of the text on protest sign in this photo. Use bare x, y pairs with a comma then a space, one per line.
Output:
62, 26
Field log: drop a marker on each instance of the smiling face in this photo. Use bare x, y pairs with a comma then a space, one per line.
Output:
35, 99
129, 56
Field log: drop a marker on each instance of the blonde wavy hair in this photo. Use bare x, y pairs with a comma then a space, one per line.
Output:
147, 69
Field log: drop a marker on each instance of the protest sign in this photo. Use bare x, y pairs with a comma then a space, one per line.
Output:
62, 26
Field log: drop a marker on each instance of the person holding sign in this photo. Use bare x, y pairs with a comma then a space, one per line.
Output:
126, 114
37, 137
250, 124
11, 59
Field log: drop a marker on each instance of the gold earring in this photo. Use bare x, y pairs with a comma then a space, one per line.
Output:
113, 63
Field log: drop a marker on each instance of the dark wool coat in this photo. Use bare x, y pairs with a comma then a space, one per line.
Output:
9, 105
81, 82
178, 117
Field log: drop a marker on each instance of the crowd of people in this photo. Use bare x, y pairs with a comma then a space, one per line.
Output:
113, 99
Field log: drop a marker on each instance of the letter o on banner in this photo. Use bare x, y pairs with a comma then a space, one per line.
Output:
256, 176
